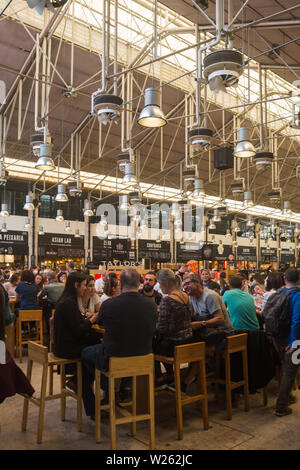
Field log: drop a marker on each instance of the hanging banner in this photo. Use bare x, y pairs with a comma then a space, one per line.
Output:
188, 251
61, 246
246, 253
268, 255
158, 251
14, 243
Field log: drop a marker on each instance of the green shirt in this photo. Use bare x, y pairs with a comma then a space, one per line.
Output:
241, 309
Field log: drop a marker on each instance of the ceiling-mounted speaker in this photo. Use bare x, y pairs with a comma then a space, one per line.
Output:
223, 158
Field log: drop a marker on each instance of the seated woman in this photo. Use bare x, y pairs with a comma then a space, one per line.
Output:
89, 303
111, 289
11, 285
72, 333
39, 280
173, 327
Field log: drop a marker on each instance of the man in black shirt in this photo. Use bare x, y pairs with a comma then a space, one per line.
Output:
148, 288
129, 321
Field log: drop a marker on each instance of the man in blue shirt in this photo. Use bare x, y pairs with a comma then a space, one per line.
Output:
286, 346
241, 306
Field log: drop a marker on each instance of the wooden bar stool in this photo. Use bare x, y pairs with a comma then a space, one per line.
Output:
120, 367
27, 316
234, 344
39, 353
188, 353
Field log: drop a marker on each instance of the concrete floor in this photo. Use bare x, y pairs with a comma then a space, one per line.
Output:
256, 429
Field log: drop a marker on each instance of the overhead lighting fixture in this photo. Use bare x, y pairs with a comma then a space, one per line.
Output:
41, 230
122, 159
45, 162
36, 140
134, 197
244, 148
123, 202
4, 228
248, 201
4, 210
106, 107
61, 194
200, 138
77, 234
68, 227
212, 225
75, 188
29, 206
59, 216
129, 176
3, 174
40, 5
88, 211
287, 208
152, 114
250, 222
228, 233
27, 223
263, 160
216, 216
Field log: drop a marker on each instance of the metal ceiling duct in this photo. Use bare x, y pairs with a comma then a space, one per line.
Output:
129, 176
200, 138
123, 202
152, 114
237, 188
106, 107
122, 159
3, 174
263, 160
75, 188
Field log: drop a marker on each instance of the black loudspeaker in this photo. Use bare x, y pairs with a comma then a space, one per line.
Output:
223, 158
147, 263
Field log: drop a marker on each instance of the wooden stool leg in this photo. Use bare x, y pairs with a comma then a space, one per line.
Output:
26, 401
51, 372
178, 401
228, 387
42, 404
62, 390
203, 391
151, 411
97, 405
112, 413
20, 340
79, 396
133, 408
246, 388
265, 396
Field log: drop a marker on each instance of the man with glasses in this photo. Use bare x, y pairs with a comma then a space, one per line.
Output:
211, 321
148, 288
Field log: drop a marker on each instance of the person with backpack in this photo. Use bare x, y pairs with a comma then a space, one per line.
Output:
282, 322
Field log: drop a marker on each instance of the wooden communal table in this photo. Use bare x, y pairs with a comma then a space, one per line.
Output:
142, 395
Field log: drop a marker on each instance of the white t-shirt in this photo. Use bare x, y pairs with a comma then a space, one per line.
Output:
94, 300
99, 284
104, 297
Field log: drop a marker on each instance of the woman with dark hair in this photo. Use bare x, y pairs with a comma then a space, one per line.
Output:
111, 288
89, 303
39, 281
72, 332
27, 292
11, 285
274, 282
62, 277
12, 379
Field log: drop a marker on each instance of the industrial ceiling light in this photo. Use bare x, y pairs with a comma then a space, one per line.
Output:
4, 228
75, 188
222, 69
40, 5
27, 223
41, 230
4, 210
29, 206
88, 211
216, 216
152, 114
68, 227
123, 202
77, 234
244, 148
199, 192
36, 140
45, 161
59, 216
200, 138
238, 187
61, 194
3, 174
248, 200
287, 208
122, 159
263, 160
106, 107
134, 197
212, 225
129, 176
228, 234
250, 222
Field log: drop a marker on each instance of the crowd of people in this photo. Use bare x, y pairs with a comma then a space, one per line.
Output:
154, 313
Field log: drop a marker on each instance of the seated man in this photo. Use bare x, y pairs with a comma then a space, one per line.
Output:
129, 322
53, 291
148, 288
212, 322
240, 305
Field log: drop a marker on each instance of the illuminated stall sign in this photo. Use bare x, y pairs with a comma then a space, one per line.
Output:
105, 250
287, 256
158, 251
268, 255
188, 251
246, 253
14, 243
61, 246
